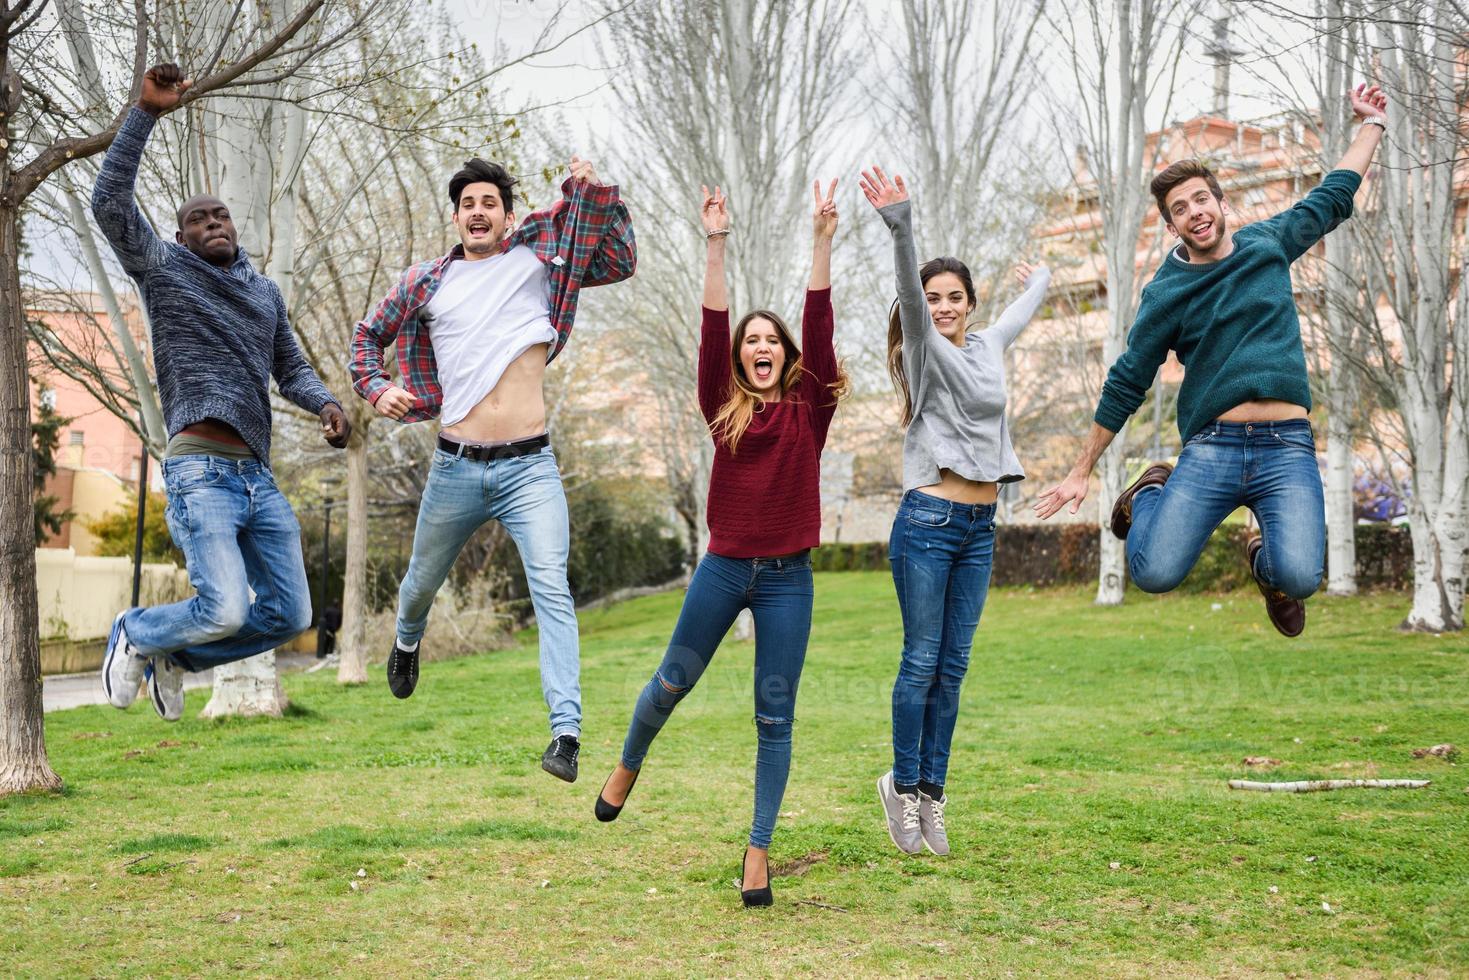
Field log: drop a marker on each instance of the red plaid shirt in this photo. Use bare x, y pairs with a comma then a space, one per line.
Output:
586, 238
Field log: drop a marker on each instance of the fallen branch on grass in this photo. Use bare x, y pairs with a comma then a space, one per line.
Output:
1320, 785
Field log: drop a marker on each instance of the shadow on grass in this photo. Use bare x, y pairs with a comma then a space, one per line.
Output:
166, 842
346, 837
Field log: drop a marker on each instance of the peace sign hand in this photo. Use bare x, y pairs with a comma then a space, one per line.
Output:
824, 219
713, 212
879, 191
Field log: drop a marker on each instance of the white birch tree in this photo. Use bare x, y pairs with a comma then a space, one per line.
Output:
1418, 353
737, 93
1123, 56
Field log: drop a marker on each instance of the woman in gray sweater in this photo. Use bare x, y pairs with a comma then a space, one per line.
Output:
955, 454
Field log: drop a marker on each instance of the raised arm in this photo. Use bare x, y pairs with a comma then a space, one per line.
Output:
606, 221
1330, 203
1035, 279
114, 206
1367, 104
714, 367
818, 355
891, 200
715, 217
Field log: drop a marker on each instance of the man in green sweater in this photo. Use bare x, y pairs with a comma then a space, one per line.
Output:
1224, 304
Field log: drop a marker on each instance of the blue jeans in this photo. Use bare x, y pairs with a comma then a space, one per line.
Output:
941, 554
238, 534
778, 592
1269, 467
524, 494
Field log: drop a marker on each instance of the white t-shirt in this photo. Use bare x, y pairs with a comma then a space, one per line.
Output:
484, 315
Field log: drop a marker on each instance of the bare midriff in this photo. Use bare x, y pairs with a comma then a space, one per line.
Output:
952, 486
216, 430
514, 409
1264, 410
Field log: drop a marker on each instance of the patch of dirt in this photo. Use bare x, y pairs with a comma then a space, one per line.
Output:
83, 735
798, 866
1445, 752
1261, 760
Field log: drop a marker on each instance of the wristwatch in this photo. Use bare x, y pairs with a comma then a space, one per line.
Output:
1376, 121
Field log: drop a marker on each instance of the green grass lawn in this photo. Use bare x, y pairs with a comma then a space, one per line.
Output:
1092, 829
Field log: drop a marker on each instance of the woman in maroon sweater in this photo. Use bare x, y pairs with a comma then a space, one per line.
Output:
768, 407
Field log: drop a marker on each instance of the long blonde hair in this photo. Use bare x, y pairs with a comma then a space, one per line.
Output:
927, 271
743, 401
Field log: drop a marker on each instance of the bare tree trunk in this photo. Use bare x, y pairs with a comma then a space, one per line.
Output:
23, 762
250, 687
1341, 524
352, 641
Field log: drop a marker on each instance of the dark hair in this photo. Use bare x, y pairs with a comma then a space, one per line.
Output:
477, 171
929, 269
1177, 173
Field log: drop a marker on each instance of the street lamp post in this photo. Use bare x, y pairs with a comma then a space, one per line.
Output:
328, 484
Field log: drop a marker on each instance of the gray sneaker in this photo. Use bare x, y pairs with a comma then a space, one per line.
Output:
166, 688
122, 669
931, 823
901, 811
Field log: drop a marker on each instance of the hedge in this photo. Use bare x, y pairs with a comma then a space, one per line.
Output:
1066, 554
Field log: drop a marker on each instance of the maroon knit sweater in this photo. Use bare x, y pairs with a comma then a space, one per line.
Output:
765, 499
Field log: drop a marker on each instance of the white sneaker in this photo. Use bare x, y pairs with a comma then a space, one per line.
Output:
931, 822
122, 669
901, 811
166, 688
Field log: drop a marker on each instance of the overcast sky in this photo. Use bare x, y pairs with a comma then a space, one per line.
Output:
575, 75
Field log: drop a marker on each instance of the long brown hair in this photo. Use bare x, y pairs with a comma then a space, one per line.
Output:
744, 401
929, 269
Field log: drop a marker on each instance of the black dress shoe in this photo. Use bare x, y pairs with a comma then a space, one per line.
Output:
605, 811
403, 669
755, 897
559, 758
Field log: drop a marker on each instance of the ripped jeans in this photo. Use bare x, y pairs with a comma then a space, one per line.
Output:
778, 593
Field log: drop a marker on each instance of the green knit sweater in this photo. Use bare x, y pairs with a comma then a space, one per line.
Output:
1232, 322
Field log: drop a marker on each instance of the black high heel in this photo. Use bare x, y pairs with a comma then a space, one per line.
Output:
605, 811
755, 897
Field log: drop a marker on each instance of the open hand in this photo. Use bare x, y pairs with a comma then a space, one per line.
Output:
1023, 272
163, 86
714, 213
393, 403
583, 170
1071, 490
824, 220
879, 191
335, 428
1367, 102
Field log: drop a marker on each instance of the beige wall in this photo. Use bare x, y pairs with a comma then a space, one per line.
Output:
80, 595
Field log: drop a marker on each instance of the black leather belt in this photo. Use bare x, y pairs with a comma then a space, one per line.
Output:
484, 454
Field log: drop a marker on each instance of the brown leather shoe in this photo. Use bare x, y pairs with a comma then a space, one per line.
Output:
1154, 476
1286, 614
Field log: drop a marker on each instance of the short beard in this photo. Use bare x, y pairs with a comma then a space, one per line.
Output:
484, 249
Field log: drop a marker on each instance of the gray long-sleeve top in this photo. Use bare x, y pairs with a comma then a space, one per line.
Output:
218, 334
958, 393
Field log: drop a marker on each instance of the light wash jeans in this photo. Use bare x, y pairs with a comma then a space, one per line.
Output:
778, 592
1269, 467
524, 494
238, 534
941, 554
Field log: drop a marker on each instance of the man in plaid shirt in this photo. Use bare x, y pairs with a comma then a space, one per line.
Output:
474, 330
